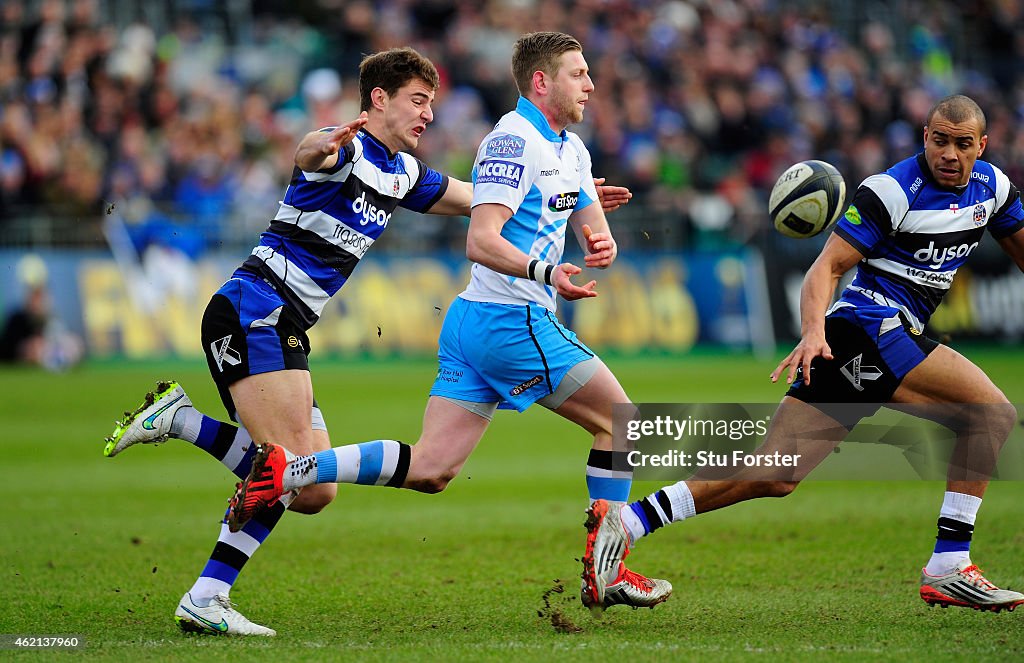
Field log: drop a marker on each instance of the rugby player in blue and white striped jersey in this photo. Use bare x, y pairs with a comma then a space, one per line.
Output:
346, 184
501, 342
908, 231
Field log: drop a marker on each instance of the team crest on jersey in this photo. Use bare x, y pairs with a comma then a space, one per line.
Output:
397, 187
509, 146
979, 214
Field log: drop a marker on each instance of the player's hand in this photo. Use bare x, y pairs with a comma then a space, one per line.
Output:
566, 288
809, 347
342, 135
601, 248
611, 197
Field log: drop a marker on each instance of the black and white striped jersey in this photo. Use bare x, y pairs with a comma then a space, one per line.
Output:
329, 219
915, 234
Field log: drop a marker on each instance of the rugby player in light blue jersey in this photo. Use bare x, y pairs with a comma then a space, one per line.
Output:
501, 342
908, 230
345, 186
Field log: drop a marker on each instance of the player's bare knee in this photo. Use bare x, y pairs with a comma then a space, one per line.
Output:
997, 419
1003, 418
313, 499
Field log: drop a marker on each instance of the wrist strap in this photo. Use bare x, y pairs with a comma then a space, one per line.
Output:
540, 271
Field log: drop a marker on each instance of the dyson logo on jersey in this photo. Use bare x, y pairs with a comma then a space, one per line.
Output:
563, 201
370, 213
935, 257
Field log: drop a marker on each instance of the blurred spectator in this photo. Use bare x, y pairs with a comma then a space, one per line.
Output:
699, 106
31, 334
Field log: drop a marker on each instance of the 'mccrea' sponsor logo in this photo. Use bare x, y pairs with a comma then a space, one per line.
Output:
561, 202
370, 213
936, 256
499, 172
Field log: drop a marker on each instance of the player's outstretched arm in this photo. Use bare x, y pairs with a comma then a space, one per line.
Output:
486, 246
837, 258
611, 197
319, 149
1014, 247
594, 236
456, 201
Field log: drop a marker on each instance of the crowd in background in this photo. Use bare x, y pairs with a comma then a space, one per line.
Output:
182, 117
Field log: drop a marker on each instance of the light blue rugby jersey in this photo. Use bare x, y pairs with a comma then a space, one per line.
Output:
329, 219
915, 234
542, 177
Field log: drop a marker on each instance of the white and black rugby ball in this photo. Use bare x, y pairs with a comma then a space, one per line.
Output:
807, 199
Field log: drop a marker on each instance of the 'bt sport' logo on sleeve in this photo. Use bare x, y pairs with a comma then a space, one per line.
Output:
509, 146
499, 172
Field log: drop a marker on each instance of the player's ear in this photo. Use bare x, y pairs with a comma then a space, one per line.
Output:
378, 97
540, 82
982, 143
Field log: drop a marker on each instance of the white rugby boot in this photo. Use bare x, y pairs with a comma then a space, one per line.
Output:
606, 580
218, 618
150, 423
965, 587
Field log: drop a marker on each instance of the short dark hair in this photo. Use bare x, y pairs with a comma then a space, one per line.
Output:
391, 69
958, 108
539, 51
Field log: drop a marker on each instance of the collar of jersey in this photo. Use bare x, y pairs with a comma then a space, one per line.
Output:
922, 164
527, 109
375, 142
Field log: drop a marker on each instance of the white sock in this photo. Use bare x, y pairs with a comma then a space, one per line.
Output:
682, 501
634, 526
963, 508
186, 424
960, 506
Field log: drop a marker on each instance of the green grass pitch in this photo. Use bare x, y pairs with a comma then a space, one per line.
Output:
104, 547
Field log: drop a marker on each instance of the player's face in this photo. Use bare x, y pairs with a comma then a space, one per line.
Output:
406, 115
951, 148
570, 88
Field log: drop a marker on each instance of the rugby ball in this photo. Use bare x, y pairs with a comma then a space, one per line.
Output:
807, 199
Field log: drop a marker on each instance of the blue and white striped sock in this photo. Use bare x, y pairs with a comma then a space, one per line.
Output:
377, 463
230, 444
955, 529
233, 550
607, 476
669, 504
